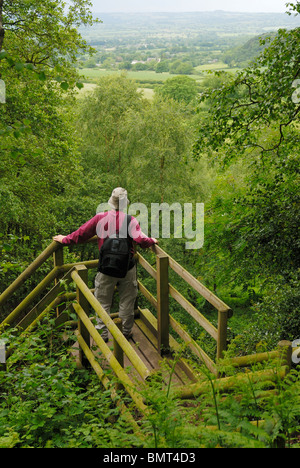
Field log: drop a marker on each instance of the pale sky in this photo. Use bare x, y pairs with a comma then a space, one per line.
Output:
102, 6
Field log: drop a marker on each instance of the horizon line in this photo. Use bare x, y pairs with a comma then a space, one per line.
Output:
193, 11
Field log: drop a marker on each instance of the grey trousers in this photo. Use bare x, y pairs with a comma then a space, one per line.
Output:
104, 291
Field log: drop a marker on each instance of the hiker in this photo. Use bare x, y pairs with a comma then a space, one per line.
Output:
117, 266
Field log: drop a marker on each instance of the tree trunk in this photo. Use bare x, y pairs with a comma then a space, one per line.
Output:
2, 31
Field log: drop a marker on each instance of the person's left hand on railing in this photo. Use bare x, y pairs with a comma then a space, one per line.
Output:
59, 238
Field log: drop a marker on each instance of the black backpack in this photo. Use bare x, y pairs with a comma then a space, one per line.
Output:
116, 257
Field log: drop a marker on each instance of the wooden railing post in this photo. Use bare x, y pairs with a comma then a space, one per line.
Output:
118, 350
222, 333
58, 261
163, 320
83, 302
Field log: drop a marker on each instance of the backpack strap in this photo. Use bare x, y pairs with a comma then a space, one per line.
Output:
132, 260
127, 221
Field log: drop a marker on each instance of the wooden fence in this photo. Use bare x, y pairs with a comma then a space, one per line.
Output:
46, 298
25, 318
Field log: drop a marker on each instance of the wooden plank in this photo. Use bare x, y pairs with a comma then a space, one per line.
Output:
148, 324
106, 382
58, 261
128, 366
149, 320
222, 334
89, 264
84, 304
50, 308
119, 371
146, 348
178, 377
118, 351
15, 314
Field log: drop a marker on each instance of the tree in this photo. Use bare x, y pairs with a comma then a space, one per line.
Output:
39, 161
181, 68
50, 28
102, 123
2, 30
162, 67
180, 88
158, 143
140, 66
255, 117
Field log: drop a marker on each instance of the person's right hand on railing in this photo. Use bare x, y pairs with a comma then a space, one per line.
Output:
59, 238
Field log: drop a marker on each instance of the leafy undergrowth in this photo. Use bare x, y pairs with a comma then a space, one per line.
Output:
46, 402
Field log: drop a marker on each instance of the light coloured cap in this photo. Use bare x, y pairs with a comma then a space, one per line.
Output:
118, 199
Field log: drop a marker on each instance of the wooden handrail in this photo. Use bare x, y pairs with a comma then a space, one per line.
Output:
224, 310
127, 348
107, 384
193, 345
123, 377
57, 290
193, 312
15, 314
29, 271
192, 281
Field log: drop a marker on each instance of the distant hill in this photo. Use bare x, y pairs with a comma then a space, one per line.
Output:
217, 22
241, 56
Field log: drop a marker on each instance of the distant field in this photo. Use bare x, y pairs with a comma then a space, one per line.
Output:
96, 73
215, 67
93, 74
212, 66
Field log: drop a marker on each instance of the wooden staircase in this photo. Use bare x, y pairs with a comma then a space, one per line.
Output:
152, 349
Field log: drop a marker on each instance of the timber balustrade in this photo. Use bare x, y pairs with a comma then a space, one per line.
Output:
29, 312
25, 318
165, 289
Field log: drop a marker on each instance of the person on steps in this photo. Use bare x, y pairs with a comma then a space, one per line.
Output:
108, 226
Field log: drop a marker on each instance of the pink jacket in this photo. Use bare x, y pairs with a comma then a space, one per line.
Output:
105, 224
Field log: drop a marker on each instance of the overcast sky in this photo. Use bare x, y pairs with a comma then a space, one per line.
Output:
189, 5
